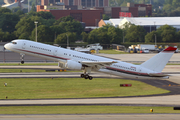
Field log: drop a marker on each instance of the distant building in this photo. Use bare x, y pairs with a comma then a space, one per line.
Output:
83, 3
17, 3
90, 11
89, 17
137, 10
149, 23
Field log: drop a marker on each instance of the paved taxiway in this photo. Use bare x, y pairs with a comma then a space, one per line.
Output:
15, 57
94, 117
168, 100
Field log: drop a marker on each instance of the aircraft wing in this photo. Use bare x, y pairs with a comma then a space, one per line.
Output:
99, 63
158, 74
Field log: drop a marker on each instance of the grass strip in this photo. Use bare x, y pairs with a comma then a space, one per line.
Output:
20, 70
29, 64
113, 52
31, 70
41, 88
84, 109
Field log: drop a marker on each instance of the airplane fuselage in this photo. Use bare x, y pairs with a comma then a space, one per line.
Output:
64, 56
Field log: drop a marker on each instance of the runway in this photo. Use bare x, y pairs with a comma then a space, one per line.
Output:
94, 117
137, 58
166, 100
170, 99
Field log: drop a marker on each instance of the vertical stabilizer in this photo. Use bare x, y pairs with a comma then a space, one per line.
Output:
159, 61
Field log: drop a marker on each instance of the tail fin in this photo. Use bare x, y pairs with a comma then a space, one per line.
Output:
159, 61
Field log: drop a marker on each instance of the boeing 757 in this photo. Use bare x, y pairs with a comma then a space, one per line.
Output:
70, 59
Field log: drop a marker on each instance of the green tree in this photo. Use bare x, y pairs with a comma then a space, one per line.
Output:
93, 37
33, 8
103, 38
1, 35
26, 25
150, 37
174, 13
168, 2
56, 30
6, 36
24, 35
64, 19
4, 10
15, 9
115, 35
176, 3
72, 26
45, 15
20, 13
62, 38
105, 17
167, 33
8, 21
84, 36
178, 36
44, 34
168, 36
135, 34
125, 28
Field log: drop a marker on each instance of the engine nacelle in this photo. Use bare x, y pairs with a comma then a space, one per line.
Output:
73, 65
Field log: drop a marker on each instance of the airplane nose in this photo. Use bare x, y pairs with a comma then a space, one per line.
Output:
6, 45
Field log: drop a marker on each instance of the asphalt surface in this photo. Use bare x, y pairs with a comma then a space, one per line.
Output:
94, 117
16, 57
164, 84
137, 58
170, 99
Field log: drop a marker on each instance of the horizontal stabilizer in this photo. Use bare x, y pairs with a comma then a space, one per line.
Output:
158, 74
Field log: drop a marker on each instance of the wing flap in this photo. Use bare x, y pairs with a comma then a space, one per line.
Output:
99, 63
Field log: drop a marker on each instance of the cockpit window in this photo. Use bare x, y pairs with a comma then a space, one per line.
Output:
14, 42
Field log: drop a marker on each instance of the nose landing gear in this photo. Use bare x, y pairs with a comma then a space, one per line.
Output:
22, 58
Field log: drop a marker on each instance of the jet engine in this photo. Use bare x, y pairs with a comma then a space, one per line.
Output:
73, 65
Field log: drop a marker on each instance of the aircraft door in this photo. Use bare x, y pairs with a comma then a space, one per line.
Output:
55, 51
23, 45
139, 71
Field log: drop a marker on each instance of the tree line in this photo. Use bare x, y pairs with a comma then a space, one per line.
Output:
15, 24
18, 25
163, 34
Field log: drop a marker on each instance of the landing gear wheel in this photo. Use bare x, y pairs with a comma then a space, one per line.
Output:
86, 76
22, 62
90, 77
82, 75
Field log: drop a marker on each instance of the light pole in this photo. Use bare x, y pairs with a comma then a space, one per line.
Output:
155, 38
123, 36
36, 29
28, 6
67, 41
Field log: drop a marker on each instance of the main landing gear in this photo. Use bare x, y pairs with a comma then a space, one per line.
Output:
86, 76
86, 71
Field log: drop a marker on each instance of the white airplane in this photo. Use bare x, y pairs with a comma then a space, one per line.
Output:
70, 59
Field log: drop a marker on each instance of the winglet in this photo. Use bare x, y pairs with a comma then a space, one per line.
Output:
170, 49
